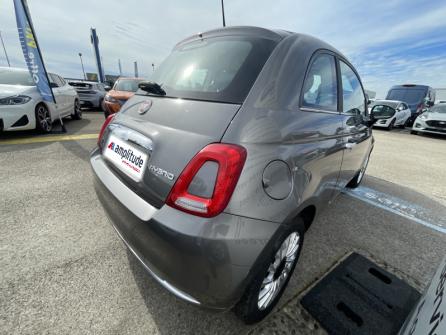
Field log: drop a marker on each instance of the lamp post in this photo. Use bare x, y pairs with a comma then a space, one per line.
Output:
82, 63
223, 13
4, 48
153, 67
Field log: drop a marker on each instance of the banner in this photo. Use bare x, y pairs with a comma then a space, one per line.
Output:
31, 51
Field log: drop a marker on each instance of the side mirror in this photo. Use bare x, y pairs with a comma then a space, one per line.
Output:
369, 120
430, 103
53, 85
107, 88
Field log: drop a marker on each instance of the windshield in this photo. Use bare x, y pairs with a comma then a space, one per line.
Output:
128, 85
219, 69
382, 112
438, 109
15, 77
408, 95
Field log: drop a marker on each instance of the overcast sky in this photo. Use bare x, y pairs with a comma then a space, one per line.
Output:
389, 41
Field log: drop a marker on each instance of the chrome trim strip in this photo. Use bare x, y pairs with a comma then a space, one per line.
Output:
316, 110
126, 196
168, 286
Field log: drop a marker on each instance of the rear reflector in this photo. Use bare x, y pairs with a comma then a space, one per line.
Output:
104, 126
230, 159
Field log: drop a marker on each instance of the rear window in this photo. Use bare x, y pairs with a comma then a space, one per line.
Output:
410, 96
81, 85
221, 69
128, 85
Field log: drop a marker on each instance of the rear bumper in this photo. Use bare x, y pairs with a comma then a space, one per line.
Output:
204, 261
89, 99
381, 124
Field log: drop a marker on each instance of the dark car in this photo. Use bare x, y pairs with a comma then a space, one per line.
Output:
212, 173
418, 97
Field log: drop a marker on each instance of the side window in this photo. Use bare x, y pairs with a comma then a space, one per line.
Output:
405, 106
320, 88
62, 81
353, 95
54, 82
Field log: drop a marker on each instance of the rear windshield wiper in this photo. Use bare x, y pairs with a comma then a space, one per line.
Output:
151, 87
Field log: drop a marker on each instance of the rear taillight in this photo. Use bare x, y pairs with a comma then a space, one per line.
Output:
104, 126
230, 159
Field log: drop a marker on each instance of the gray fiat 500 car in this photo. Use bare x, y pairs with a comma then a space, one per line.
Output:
212, 172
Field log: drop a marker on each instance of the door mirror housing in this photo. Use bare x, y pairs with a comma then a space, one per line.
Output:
53, 85
369, 120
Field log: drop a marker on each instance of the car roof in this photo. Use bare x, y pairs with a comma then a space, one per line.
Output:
272, 34
391, 103
83, 82
406, 86
275, 35
130, 78
21, 69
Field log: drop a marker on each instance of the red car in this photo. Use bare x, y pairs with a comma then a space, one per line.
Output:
122, 90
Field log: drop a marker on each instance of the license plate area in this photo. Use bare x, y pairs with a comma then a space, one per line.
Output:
126, 156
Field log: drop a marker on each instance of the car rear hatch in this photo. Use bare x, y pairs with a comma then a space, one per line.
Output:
83, 88
170, 134
206, 81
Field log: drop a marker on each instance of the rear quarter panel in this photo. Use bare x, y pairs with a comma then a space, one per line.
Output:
271, 126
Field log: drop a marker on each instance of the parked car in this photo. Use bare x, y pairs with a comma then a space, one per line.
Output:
389, 113
212, 178
122, 90
22, 107
91, 94
417, 97
432, 121
440, 96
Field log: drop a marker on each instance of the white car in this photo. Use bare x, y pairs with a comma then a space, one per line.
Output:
390, 113
22, 107
432, 121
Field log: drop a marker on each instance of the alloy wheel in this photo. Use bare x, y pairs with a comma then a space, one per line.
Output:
77, 110
44, 119
279, 270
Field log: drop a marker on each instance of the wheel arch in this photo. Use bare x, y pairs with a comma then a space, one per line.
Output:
307, 215
47, 106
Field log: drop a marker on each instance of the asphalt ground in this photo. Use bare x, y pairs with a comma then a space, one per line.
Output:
64, 270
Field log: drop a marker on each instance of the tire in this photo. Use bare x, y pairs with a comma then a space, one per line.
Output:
77, 112
406, 124
274, 267
101, 105
414, 132
391, 125
357, 179
44, 123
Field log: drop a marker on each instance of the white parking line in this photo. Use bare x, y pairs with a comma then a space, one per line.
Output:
399, 207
